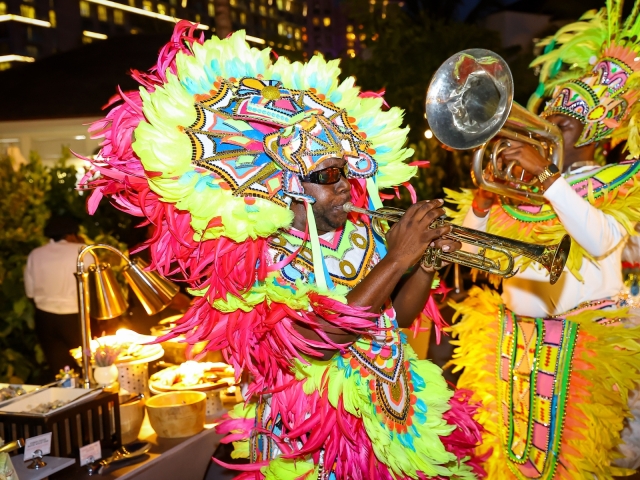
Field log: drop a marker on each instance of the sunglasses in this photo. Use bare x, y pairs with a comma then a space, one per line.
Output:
327, 176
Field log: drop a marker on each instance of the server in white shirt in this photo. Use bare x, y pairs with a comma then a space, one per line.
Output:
49, 280
553, 365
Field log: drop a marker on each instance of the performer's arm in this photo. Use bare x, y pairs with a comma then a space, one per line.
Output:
595, 231
478, 215
406, 242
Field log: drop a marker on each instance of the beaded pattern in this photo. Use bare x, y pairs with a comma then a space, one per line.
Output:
534, 367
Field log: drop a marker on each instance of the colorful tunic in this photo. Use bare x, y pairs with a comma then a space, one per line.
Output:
553, 390
395, 408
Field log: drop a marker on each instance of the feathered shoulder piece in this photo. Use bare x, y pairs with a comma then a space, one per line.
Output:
590, 70
210, 151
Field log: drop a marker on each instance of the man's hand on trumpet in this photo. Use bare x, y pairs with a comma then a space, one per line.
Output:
411, 236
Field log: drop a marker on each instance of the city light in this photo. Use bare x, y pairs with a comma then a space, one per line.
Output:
99, 36
250, 38
20, 18
16, 58
140, 11
428, 134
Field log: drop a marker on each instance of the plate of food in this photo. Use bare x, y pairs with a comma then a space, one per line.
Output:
134, 347
9, 392
49, 400
190, 375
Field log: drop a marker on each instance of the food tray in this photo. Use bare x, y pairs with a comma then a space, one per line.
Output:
97, 419
72, 396
27, 388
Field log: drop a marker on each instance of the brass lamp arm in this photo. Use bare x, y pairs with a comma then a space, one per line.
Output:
90, 249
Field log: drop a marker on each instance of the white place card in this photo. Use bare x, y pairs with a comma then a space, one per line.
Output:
33, 444
90, 453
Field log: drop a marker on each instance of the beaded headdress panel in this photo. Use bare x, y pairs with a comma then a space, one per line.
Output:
589, 68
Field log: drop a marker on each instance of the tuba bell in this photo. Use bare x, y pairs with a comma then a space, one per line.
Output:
470, 105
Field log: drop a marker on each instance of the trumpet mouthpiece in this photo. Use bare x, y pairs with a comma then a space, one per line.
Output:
347, 207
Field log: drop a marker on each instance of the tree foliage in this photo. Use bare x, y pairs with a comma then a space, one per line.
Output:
29, 194
400, 53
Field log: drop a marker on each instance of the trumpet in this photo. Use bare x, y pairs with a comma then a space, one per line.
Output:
552, 258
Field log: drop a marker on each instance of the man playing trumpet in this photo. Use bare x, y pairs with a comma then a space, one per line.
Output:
244, 165
554, 365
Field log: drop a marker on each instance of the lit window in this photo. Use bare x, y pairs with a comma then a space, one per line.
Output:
351, 52
172, 12
272, 12
118, 17
27, 11
316, 21
198, 18
263, 10
5, 66
280, 4
351, 36
52, 18
147, 5
102, 13
296, 34
326, 21
252, 6
289, 31
233, 3
162, 9
349, 28
287, 5
132, 3
299, 45
304, 9
211, 9
280, 29
363, 37
3, 8
243, 18
85, 9
86, 40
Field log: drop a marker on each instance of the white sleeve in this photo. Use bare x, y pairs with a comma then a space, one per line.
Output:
28, 278
595, 231
476, 223
631, 252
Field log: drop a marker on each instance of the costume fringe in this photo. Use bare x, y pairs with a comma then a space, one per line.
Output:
606, 366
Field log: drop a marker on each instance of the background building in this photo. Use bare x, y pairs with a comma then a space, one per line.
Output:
34, 29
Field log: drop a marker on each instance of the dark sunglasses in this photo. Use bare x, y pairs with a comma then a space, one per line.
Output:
327, 176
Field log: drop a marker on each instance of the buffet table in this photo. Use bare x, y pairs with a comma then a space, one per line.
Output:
179, 458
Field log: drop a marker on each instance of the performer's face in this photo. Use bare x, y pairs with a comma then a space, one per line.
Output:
571, 129
328, 211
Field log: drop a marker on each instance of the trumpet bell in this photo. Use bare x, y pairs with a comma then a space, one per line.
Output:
469, 98
558, 258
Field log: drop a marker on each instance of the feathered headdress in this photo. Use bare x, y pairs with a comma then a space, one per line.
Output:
209, 151
590, 69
